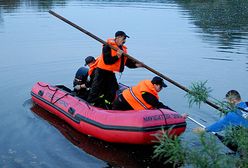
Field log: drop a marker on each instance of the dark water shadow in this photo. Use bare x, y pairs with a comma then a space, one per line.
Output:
218, 59
10, 6
224, 23
115, 155
44, 5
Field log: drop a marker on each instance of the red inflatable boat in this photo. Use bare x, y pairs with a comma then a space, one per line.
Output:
130, 127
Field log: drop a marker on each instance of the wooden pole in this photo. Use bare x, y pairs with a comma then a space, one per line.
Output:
130, 57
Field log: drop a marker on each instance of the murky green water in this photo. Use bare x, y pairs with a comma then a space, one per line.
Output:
187, 41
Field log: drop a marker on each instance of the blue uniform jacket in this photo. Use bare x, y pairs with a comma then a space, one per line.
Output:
233, 118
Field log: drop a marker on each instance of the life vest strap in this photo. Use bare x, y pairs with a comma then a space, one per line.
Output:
136, 98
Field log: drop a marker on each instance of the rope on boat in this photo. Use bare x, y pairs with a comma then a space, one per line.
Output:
165, 121
59, 98
55, 91
46, 86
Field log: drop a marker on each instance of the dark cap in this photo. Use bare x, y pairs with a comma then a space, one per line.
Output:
159, 81
88, 60
121, 33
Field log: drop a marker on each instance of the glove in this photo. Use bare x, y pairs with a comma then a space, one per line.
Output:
77, 87
119, 53
199, 130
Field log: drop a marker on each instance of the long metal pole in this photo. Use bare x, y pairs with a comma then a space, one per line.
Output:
196, 122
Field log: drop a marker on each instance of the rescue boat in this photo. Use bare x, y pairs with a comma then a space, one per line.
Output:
115, 126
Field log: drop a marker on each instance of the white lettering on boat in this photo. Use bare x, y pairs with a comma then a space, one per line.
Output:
161, 117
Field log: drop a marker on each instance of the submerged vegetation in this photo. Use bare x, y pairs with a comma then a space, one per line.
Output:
208, 153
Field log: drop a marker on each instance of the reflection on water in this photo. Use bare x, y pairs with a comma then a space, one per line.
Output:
9, 6
116, 155
222, 21
12, 5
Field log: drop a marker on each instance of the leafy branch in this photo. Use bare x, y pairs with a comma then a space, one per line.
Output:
206, 155
198, 93
168, 148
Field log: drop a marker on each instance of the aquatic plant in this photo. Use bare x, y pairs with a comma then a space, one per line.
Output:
238, 137
168, 148
198, 93
207, 154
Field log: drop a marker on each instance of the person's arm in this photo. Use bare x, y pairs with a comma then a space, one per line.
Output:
76, 82
107, 57
231, 119
130, 63
219, 125
152, 100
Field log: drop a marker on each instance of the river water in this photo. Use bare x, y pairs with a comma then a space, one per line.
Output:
188, 41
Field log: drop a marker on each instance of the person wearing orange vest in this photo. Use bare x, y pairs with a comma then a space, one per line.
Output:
80, 83
104, 84
142, 96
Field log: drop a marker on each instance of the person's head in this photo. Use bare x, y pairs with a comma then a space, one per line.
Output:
158, 83
120, 37
89, 60
233, 96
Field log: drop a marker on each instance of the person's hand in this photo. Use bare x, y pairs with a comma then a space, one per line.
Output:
199, 130
83, 86
185, 115
77, 87
119, 53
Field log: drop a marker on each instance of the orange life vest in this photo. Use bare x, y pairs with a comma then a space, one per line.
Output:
116, 66
93, 66
134, 97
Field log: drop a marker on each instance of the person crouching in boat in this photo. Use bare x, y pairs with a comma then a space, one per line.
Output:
236, 118
91, 62
142, 96
81, 83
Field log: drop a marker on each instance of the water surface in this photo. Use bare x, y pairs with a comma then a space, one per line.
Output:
187, 41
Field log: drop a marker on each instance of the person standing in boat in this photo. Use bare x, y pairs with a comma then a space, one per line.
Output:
104, 84
81, 83
235, 118
142, 96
